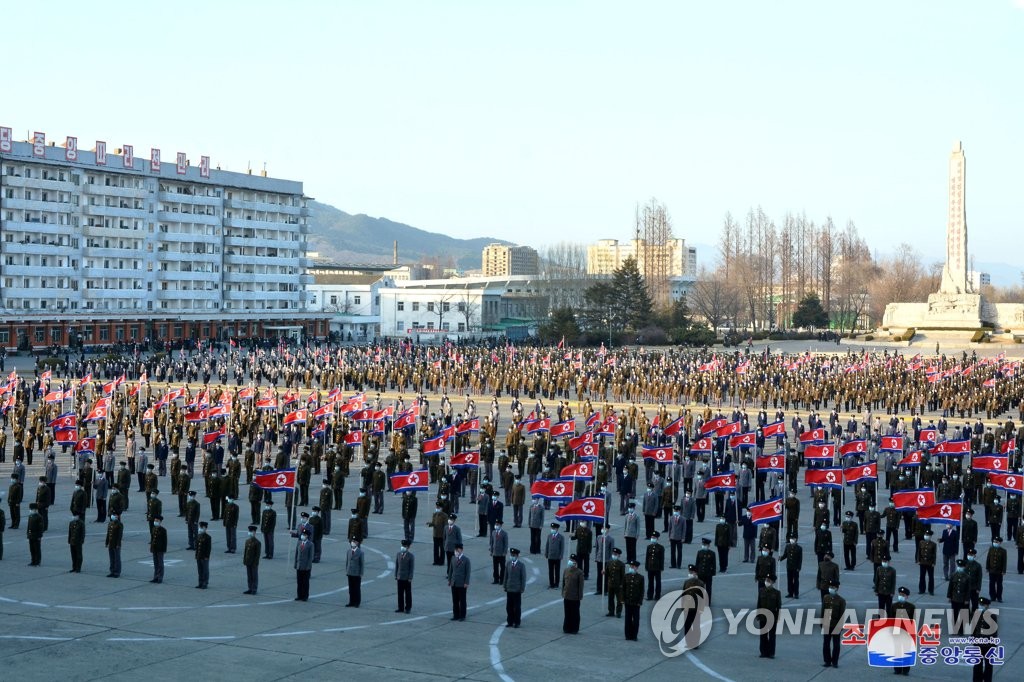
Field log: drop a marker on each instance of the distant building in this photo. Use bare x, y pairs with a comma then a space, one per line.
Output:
502, 260
979, 279
352, 301
606, 255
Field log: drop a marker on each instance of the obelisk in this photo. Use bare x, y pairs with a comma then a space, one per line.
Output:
954, 274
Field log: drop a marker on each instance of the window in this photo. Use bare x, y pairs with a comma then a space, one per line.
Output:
430, 307
104, 333
400, 325
462, 326
40, 334
444, 326
55, 335
334, 300
401, 306
416, 306
462, 306
445, 307
357, 300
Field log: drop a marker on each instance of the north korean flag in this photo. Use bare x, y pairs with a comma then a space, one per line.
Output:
197, 416
723, 482
1008, 482
912, 500
861, 472
772, 464
66, 436
46, 376
320, 430
768, 511
468, 426
281, 479
990, 463
432, 446
247, 393
593, 420
578, 470
96, 413
86, 446
820, 453
853, 447
389, 412
466, 460
324, 411
448, 433
892, 444
539, 426
743, 440
218, 412
928, 436
812, 436
1007, 447
579, 441
943, 512
656, 453
913, 459
828, 478
266, 403
774, 429
405, 420
68, 420
552, 489
8, 403
702, 445
290, 396
951, 447
674, 427
583, 509
729, 429
147, 415
712, 425
56, 397
296, 417
355, 438
364, 415
413, 480
607, 427
566, 428
211, 437
587, 452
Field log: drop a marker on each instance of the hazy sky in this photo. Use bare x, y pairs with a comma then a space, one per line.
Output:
539, 121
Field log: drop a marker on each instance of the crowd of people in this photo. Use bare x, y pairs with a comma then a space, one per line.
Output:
205, 419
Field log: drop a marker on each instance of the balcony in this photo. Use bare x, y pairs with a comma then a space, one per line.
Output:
235, 221
188, 218
262, 207
188, 276
260, 296
190, 199
109, 252
36, 205
188, 237
118, 232
261, 242
116, 212
242, 259
111, 191
37, 183
187, 295
129, 274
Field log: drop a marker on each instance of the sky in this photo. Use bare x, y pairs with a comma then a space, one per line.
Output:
540, 121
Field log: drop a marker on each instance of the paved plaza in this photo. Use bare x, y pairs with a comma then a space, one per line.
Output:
56, 625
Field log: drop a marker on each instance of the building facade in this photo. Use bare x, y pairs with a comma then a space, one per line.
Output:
105, 247
503, 260
606, 255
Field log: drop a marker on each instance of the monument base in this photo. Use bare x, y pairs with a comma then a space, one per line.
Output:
942, 311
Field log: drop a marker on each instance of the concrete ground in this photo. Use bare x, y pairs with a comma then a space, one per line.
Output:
56, 625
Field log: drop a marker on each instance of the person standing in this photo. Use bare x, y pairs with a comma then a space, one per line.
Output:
251, 560
154, 507
204, 546
654, 564
633, 599
968, 531
676, 531
995, 563
354, 572
35, 534
536, 522
1019, 539
410, 503
615, 573
833, 610
902, 609
828, 573
572, 595
723, 542
230, 517
885, 585
958, 592
769, 606
268, 522
76, 538
950, 541
518, 501
793, 555
3, 526
43, 503
584, 543
115, 533
458, 580
973, 571
926, 552
631, 531
101, 488
405, 566
515, 585
452, 538
986, 628
602, 554
438, 522
554, 552
851, 534
704, 564
694, 592
303, 566
15, 494
498, 545
158, 547
316, 524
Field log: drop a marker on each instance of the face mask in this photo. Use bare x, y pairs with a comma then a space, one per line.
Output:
901, 598
403, 548
832, 590
885, 564
437, 510
821, 505
692, 576
721, 520
677, 513
654, 540
113, 517
768, 583
571, 563
266, 507
451, 523
630, 570
353, 545
995, 544
202, 530
792, 541
764, 553
304, 537
823, 527
156, 524
959, 569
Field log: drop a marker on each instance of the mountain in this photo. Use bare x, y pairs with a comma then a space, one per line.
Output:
359, 238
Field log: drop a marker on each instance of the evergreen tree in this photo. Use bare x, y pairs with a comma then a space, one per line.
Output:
809, 313
634, 299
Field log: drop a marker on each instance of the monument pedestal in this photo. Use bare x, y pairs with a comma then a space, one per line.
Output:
942, 311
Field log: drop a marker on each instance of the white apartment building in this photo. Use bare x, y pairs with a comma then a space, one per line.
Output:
352, 301
606, 255
504, 260
126, 248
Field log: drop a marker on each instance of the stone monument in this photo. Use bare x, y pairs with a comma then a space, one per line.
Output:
956, 306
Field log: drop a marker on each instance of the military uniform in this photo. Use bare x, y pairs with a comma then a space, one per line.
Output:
654, 564
115, 533
927, 551
439, 521
833, 608
405, 565
828, 572
572, 595
614, 574
204, 546
902, 609
268, 522
793, 555
76, 538
633, 598
959, 590
514, 585
851, 533
705, 564
995, 564
158, 547
251, 552
885, 586
769, 605
34, 532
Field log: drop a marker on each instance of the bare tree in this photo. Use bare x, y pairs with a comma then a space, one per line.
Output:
440, 306
654, 250
854, 270
901, 277
468, 309
714, 299
563, 271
